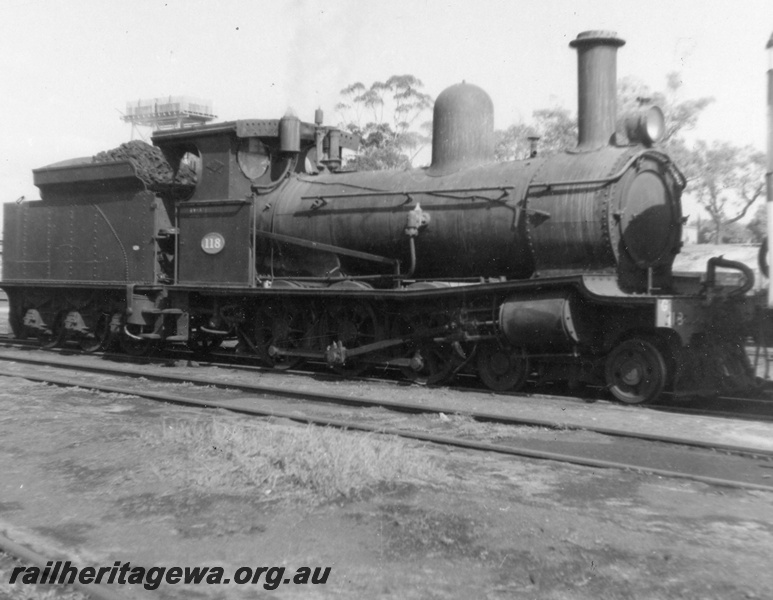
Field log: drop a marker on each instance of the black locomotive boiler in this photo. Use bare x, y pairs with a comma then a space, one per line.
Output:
551, 268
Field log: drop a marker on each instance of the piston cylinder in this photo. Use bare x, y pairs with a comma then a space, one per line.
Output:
546, 322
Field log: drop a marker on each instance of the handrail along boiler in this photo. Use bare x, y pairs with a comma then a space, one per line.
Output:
555, 268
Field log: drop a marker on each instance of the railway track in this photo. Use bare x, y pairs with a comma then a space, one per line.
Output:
731, 465
753, 408
488, 416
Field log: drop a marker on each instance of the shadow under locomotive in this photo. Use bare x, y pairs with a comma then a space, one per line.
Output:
555, 267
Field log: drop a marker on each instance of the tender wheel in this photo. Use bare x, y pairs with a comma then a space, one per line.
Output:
502, 368
98, 339
114, 331
55, 337
636, 372
282, 326
16, 317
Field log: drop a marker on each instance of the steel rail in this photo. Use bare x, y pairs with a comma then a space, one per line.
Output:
406, 407
722, 414
234, 362
426, 437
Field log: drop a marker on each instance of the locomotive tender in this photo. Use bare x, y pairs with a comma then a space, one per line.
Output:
556, 268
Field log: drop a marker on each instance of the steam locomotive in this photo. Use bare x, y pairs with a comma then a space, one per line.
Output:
554, 268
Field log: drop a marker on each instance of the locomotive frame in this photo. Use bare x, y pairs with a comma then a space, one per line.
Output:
554, 268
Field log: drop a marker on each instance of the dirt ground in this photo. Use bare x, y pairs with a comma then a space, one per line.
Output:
97, 477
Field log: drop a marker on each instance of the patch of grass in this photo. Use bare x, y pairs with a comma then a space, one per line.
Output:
282, 459
410, 531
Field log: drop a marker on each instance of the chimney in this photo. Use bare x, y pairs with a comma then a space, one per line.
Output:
596, 88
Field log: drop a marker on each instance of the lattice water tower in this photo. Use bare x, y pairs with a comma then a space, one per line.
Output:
169, 112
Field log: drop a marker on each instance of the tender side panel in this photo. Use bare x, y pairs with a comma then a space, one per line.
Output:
94, 237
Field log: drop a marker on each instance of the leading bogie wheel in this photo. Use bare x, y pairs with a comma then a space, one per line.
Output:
636, 371
502, 368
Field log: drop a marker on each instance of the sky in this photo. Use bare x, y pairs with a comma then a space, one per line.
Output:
68, 67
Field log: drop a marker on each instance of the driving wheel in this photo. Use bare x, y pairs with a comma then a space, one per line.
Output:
352, 325
280, 325
433, 363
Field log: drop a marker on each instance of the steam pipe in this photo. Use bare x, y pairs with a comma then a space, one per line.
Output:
412, 268
596, 87
720, 261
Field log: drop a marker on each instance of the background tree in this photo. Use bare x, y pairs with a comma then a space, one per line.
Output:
725, 180
758, 226
680, 115
732, 233
388, 118
512, 143
555, 127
